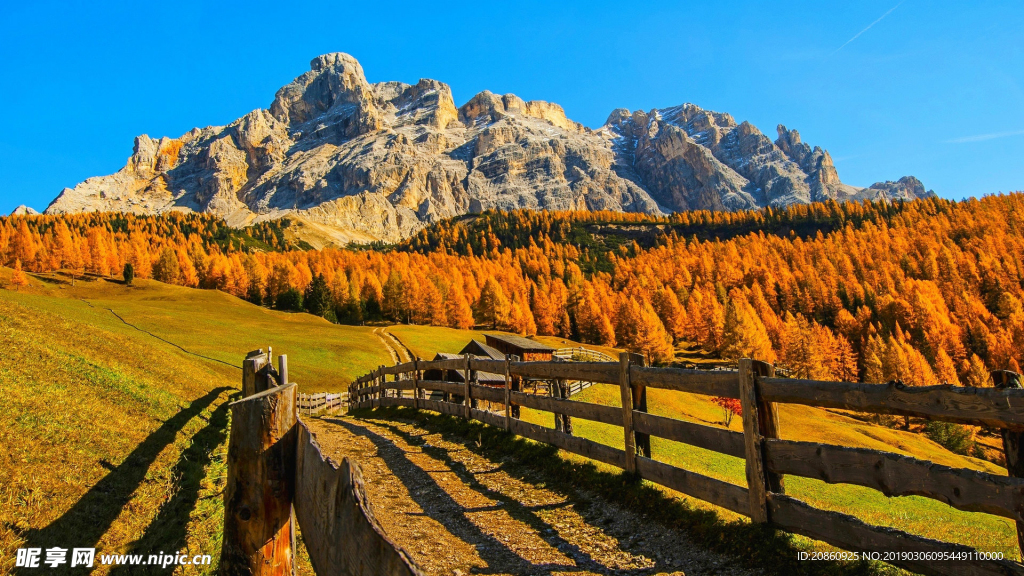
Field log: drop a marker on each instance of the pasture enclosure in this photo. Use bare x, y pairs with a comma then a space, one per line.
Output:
768, 457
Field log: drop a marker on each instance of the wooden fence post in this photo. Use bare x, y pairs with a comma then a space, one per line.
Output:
416, 382
381, 380
508, 394
445, 396
516, 385
1013, 442
258, 527
760, 421
639, 394
563, 422
466, 396
250, 368
282, 370
626, 395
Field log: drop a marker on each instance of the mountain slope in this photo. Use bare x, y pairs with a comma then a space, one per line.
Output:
358, 161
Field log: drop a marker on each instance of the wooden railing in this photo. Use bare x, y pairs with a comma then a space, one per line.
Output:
581, 354
320, 402
768, 457
279, 480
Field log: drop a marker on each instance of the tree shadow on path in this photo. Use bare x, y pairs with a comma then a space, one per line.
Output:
440, 506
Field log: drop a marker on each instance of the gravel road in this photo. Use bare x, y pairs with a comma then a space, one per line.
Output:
458, 513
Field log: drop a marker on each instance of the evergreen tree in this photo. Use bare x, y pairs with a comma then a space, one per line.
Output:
128, 274
317, 299
290, 300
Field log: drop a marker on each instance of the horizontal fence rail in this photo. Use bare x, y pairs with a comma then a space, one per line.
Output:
768, 457
320, 402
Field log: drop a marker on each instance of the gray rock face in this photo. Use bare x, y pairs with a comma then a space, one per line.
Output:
355, 161
24, 211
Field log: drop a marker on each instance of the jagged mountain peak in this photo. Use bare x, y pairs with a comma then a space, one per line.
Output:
350, 160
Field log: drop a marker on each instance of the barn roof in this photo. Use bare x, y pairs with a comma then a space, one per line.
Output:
522, 343
481, 377
478, 348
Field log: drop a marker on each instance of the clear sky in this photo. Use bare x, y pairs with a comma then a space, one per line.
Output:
933, 89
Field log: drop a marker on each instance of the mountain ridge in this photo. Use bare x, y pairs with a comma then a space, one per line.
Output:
354, 161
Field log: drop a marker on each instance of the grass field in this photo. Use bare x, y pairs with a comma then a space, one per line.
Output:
114, 438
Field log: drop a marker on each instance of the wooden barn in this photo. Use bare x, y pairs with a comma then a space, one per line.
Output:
477, 350
481, 350
526, 349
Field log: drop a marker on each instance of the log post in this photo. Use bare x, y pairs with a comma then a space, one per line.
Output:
445, 396
760, 421
1013, 442
508, 394
381, 380
555, 392
466, 396
563, 422
639, 394
282, 370
626, 394
516, 386
416, 383
258, 527
251, 366
768, 423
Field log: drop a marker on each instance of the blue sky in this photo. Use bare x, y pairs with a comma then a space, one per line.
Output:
933, 89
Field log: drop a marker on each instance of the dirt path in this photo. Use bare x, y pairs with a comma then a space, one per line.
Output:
457, 512
383, 336
399, 346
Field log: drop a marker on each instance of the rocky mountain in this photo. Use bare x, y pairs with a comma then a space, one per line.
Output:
354, 161
24, 211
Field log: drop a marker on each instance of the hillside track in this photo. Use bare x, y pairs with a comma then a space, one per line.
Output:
379, 333
457, 512
399, 346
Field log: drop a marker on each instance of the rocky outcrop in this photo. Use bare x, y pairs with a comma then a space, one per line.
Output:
358, 161
24, 211
904, 188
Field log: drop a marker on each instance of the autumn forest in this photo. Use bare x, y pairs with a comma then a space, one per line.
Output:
926, 292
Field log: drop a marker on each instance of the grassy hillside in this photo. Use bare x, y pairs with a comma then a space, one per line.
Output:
321, 356
115, 438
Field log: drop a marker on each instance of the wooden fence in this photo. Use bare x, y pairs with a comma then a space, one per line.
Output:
278, 481
768, 457
320, 402
581, 354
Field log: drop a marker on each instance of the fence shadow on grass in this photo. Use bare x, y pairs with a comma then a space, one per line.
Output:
85, 523
167, 532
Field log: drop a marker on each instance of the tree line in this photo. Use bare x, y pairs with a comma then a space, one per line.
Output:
924, 292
